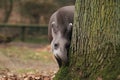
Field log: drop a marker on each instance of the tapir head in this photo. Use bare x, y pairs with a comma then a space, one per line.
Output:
59, 33
61, 40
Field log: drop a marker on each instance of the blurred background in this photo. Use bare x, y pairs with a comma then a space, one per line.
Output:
24, 45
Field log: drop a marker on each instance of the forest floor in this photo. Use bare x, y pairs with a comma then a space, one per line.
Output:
26, 61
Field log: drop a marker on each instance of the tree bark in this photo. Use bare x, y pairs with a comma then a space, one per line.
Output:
95, 47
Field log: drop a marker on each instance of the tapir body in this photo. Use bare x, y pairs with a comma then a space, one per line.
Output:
59, 33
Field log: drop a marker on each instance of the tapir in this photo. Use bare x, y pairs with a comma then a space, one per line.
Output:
59, 33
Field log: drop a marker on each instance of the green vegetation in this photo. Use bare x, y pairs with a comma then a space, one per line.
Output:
23, 53
22, 57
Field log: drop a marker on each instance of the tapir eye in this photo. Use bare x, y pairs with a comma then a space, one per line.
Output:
67, 45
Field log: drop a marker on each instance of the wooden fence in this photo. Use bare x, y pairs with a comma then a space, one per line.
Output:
24, 29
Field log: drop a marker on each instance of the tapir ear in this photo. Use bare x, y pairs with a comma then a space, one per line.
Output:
70, 26
54, 27
53, 24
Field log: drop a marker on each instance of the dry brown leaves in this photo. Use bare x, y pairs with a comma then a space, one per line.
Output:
27, 76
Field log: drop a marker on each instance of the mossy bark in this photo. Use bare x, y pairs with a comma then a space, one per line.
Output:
95, 46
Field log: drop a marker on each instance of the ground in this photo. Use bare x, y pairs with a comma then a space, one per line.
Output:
26, 61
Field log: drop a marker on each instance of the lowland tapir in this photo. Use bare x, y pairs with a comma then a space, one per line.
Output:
59, 33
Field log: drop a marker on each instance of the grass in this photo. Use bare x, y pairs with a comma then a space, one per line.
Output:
27, 70
22, 59
24, 53
40, 40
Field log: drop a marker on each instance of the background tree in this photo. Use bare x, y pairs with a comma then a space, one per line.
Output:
7, 6
26, 12
64, 2
95, 46
37, 9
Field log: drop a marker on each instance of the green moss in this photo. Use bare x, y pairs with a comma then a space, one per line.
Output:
111, 72
63, 71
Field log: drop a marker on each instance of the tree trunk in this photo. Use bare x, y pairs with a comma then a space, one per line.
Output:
95, 47
8, 10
